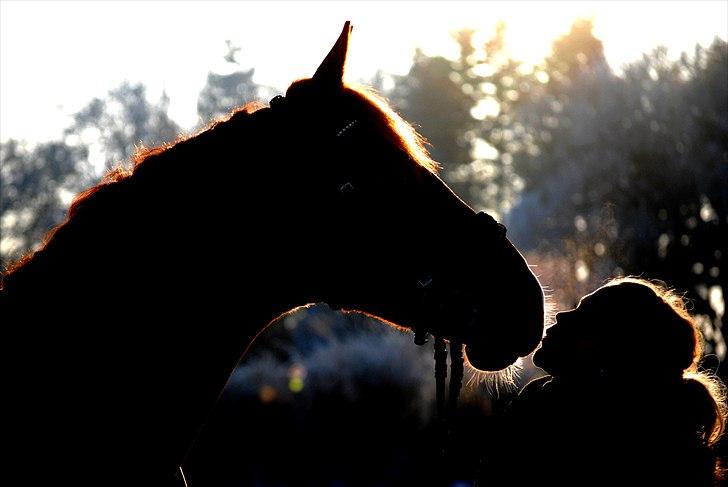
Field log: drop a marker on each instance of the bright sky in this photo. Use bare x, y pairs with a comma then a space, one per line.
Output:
55, 56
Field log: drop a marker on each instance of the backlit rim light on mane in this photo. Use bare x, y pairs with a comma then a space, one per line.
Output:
404, 134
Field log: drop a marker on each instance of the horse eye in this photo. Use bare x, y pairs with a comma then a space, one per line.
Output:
424, 281
347, 188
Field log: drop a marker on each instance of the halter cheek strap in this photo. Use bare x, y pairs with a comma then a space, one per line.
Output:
487, 225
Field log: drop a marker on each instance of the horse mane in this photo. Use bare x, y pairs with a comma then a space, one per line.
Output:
400, 133
145, 169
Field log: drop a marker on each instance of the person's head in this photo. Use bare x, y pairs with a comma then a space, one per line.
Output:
627, 326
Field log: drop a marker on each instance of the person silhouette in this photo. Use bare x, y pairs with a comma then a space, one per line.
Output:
624, 402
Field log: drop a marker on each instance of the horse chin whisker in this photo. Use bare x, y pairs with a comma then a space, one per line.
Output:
505, 380
549, 311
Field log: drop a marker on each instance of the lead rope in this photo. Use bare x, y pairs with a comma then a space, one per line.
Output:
444, 421
440, 376
456, 378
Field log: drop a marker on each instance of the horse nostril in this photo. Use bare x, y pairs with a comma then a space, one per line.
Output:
424, 281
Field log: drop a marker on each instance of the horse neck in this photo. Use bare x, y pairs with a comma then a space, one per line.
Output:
246, 250
133, 238
160, 310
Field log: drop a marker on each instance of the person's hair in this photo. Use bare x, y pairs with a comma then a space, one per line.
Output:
658, 317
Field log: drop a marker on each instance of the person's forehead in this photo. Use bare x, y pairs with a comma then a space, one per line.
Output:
602, 297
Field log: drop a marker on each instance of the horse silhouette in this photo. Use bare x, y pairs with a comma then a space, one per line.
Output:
121, 331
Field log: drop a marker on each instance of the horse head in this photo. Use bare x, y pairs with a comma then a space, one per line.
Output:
398, 243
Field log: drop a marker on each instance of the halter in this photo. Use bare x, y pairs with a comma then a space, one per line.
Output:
483, 223
486, 224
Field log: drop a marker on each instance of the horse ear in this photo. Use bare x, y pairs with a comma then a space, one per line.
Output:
331, 71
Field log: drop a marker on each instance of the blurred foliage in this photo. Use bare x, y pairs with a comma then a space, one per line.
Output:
615, 173
35, 188
39, 183
121, 123
435, 104
224, 92
463, 108
628, 174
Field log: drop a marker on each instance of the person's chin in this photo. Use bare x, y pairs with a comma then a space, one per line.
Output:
538, 358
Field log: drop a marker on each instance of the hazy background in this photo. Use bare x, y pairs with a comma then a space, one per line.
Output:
597, 131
